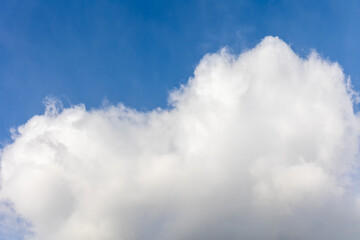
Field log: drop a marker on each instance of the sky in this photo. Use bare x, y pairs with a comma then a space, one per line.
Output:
136, 52
179, 120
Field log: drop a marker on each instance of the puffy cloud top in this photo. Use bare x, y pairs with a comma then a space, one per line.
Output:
263, 145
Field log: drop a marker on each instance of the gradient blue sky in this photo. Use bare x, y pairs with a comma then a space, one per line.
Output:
136, 51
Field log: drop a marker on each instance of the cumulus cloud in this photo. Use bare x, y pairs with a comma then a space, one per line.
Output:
263, 145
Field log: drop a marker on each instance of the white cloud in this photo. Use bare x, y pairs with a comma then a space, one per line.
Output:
258, 146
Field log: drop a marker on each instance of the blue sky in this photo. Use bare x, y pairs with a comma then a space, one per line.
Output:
136, 51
